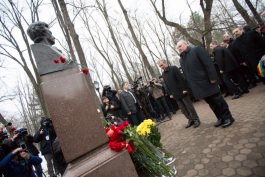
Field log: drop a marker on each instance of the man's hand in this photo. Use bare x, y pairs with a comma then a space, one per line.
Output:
213, 81
171, 96
129, 113
244, 63
184, 92
17, 150
41, 131
221, 72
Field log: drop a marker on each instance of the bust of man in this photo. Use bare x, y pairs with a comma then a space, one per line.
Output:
39, 33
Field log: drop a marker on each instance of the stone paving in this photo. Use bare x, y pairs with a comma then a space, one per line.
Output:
235, 151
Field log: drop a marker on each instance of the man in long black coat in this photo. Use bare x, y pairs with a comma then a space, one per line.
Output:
177, 87
229, 68
201, 76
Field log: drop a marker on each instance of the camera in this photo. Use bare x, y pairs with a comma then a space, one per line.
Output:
46, 123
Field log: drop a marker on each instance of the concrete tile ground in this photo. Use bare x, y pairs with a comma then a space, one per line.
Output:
235, 151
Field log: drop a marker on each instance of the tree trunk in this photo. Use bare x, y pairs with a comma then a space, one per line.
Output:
64, 29
79, 50
139, 47
207, 21
254, 11
113, 37
180, 28
244, 14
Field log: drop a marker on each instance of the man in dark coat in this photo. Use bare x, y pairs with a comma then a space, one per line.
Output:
46, 136
177, 87
201, 76
131, 105
228, 67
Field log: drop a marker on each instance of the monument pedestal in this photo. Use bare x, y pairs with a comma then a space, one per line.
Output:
80, 131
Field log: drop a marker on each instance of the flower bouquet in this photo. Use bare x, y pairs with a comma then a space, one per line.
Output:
145, 155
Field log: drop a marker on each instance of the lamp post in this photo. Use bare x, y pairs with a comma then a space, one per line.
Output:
96, 85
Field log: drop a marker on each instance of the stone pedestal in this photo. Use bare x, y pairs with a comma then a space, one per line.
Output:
79, 128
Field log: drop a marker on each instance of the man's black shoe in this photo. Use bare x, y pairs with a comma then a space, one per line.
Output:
246, 91
196, 124
235, 97
190, 123
251, 86
227, 94
228, 122
218, 123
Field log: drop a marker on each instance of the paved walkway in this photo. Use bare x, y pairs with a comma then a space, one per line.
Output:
235, 151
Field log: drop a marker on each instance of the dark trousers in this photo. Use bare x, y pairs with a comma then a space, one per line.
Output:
38, 170
136, 118
219, 106
236, 77
187, 108
163, 106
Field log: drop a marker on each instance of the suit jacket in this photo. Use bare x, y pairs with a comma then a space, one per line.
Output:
128, 102
198, 70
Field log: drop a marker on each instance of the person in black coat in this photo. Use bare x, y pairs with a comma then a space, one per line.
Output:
228, 67
177, 87
46, 136
201, 76
131, 105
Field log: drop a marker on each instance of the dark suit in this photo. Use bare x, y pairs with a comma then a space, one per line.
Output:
199, 70
130, 103
228, 64
176, 84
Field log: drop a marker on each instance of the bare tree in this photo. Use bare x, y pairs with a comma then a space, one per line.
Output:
178, 26
103, 10
244, 13
12, 19
254, 11
137, 43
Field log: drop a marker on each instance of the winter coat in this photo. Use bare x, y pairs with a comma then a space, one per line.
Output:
156, 91
174, 82
22, 168
198, 70
45, 144
225, 59
128, 102
255, 48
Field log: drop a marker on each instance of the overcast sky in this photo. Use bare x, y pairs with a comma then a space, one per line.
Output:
176, 11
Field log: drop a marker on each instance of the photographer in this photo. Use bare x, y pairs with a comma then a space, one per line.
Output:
110, 94
110, 107
46, 136
18, 163
160, 101
23, 139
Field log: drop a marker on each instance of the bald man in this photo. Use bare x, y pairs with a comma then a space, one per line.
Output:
201, 77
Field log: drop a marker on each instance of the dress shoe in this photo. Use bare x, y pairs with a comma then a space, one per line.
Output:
228, 122
252, 86
169, 116
236, 96
218, 123
246, 91
190, 123
227, 94
197, 123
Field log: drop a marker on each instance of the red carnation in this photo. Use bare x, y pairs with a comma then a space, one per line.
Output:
117, 145
126, 123
129, 148
62, 59
56, 61
85, 71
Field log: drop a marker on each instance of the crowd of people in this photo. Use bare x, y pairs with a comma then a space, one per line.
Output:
19, 154
230, 69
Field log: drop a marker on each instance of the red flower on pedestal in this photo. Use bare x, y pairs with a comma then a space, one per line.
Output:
85, 71
56, 61
62, 59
